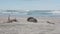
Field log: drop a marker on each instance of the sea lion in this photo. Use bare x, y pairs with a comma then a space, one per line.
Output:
31, 19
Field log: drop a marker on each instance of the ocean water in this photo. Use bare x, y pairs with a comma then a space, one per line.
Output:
49, 13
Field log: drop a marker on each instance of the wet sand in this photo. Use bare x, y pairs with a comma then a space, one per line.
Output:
39, 19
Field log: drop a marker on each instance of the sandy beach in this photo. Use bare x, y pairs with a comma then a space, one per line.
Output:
39, 19
25, 27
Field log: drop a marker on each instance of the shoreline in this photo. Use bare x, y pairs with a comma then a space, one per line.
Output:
39, 19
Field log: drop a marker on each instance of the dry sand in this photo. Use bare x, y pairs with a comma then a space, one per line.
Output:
24, 27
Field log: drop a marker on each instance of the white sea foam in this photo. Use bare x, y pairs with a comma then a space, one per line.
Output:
56, 12
32, 12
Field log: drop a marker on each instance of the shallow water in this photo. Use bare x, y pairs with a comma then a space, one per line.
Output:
49, 13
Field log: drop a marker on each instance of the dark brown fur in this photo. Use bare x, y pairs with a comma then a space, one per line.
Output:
31, 19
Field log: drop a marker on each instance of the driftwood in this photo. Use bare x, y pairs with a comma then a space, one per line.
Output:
50, 22
31, 19
13, 20
10, 21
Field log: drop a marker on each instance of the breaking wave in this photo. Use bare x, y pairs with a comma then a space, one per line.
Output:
31, 13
